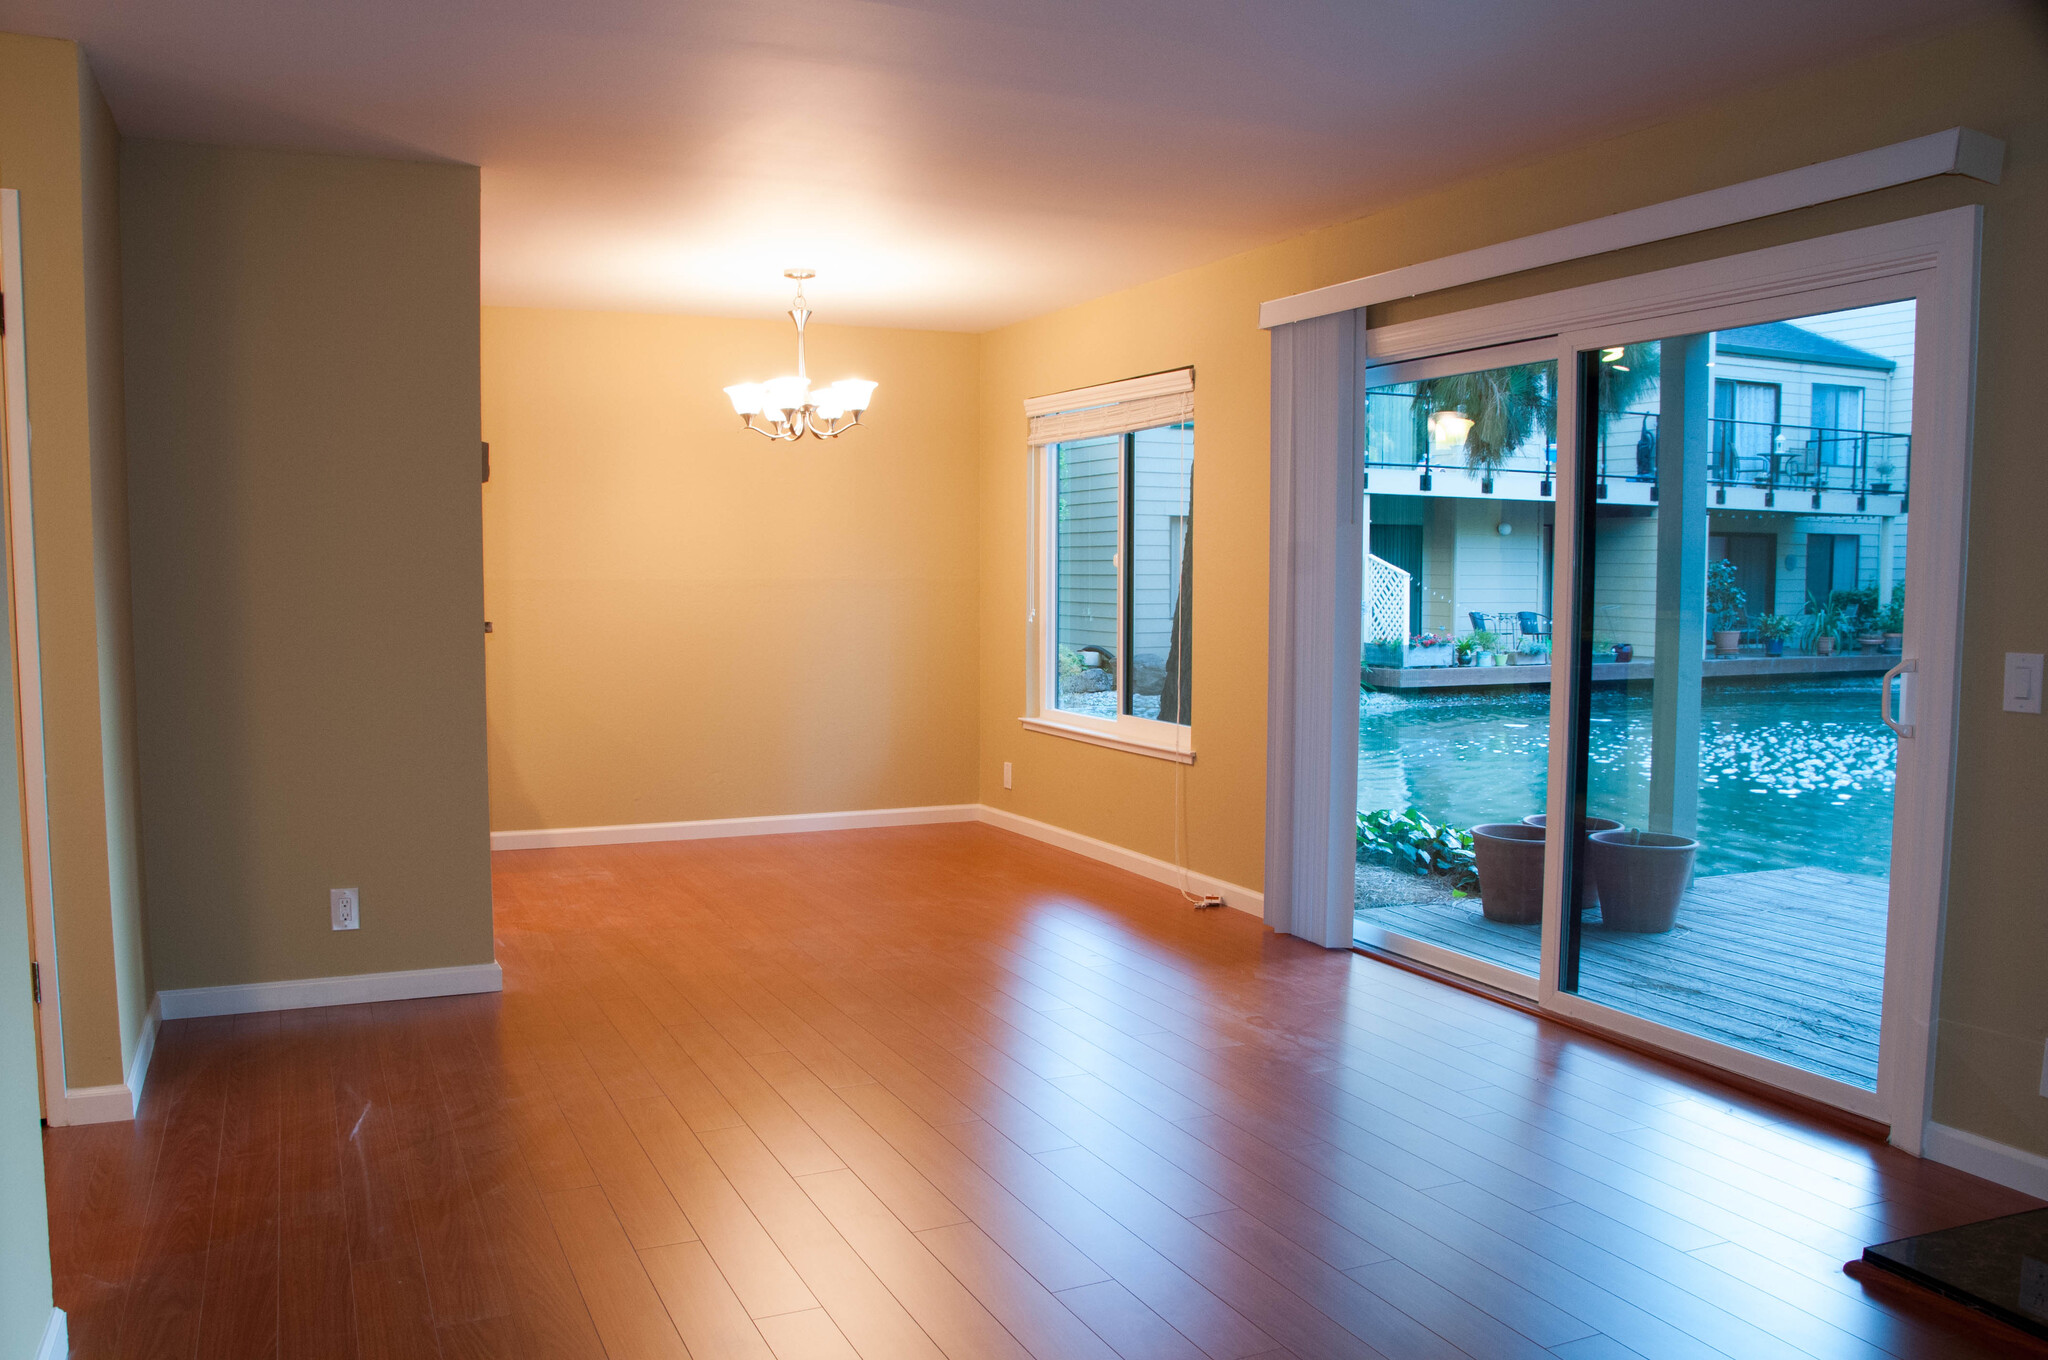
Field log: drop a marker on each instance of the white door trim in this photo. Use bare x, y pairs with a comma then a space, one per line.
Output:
27, 651
1932, 259
1956, 151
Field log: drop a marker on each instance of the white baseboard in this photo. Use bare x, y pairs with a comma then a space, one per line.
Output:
2013, 1167
94, 1105
56, 1337
145, 1049
1233, 894
114, 1103
634, 833
193, 1002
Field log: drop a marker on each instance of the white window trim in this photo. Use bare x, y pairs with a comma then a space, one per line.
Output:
1955, 151
1089, 412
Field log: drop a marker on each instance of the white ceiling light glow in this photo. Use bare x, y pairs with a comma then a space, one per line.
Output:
787, 403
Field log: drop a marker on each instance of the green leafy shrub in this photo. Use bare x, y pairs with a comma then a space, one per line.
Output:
1726, 601
1408, 840
1892, 618
1774, 627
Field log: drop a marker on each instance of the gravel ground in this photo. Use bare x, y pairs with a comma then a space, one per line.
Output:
1379, 886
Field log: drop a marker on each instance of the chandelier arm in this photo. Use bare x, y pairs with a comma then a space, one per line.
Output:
779, 432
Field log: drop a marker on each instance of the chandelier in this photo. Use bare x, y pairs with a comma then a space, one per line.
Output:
788, 405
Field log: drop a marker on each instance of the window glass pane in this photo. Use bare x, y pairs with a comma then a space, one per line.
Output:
1085, 632
1162, 571
1454, 702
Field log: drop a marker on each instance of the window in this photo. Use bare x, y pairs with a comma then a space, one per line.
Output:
1831, 565
1838, 421
1113, 564
1745, 428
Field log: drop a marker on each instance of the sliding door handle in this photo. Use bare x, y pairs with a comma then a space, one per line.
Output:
1884, 697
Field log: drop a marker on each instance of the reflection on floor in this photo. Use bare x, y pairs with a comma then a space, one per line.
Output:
943, 1093
1788, 963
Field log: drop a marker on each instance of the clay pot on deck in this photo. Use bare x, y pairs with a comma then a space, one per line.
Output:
1641, 877
1824, 646
1728, 641
1624, 652
1588, 897
1510, 865
1870, 642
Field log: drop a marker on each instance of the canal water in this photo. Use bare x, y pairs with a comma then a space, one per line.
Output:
1791, 772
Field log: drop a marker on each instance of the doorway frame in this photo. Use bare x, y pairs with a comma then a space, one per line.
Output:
16, 485
1933, 260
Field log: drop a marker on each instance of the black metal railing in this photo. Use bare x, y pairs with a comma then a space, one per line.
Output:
1767, 455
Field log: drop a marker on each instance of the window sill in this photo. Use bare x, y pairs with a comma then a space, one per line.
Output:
1115, 741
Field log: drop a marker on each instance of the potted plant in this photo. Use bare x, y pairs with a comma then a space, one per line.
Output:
1774, 629
1641, 877
1725, 604
1624, 652
1480, 645
1827, 625
1891, 620
1881, 478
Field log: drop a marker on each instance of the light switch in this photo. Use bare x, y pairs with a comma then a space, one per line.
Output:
2023, 682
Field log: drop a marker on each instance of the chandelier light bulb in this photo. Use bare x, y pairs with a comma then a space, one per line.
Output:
854, 393
788, 405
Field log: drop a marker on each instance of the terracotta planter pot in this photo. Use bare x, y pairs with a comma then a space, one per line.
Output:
1588, 896
1728, 641
1824, 646
1894, 641
1510, 864
1870, 642
1641, 877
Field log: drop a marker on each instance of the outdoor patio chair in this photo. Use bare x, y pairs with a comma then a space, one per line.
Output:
1533, 624
1479, 623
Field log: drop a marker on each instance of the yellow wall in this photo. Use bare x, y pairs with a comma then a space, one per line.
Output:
694, 622
1993, 77
58, 147
303, 444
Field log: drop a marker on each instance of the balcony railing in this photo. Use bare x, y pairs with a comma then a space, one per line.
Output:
1792, 460
1807, 460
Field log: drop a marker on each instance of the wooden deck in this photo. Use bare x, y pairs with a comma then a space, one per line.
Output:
1787, 963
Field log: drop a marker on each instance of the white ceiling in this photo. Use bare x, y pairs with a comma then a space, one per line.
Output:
944, 163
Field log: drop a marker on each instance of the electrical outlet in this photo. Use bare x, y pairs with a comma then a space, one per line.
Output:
1006, 774
345, 906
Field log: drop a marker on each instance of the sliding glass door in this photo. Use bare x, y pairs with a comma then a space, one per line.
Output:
1660, 634
1735, 773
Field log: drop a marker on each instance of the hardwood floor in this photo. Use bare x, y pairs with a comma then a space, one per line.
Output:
941, 1091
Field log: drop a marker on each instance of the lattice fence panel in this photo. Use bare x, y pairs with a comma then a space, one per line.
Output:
1386, 601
